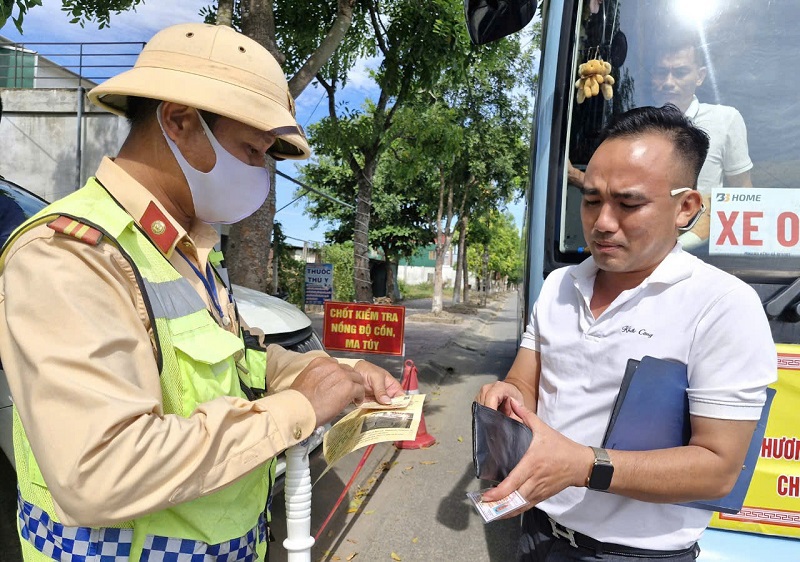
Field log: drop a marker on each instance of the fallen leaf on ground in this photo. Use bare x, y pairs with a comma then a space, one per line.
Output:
352, 556
396, 557
415, 540
428, 462
460, 439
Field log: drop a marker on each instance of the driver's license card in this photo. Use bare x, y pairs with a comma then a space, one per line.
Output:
492, 510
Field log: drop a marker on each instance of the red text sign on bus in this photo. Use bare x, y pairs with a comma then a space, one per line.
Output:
364, 328
755, 221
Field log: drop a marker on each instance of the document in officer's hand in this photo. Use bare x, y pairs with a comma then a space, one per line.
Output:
372, 423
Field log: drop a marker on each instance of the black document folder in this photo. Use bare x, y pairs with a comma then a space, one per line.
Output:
652, 412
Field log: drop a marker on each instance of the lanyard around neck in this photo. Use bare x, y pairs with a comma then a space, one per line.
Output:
209, 283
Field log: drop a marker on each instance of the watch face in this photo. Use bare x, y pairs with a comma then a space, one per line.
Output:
601, 476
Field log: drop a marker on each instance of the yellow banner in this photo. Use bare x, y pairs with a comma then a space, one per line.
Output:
772, 505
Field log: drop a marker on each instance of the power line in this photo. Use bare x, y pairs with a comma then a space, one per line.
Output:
317, 191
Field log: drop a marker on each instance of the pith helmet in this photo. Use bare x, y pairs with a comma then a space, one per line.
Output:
213, 68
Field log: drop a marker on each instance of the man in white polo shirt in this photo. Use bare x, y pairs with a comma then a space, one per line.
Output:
678, 71
637, 294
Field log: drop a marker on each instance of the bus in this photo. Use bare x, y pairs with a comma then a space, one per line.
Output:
730, 62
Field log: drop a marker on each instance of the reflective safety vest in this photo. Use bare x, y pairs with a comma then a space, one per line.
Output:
198, 362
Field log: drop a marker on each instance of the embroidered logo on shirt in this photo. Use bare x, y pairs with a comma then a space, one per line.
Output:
632, 330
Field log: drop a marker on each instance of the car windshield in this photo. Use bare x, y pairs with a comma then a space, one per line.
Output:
722, 64
16, 205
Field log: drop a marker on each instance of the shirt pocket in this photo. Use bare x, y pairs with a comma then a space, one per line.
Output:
206, 358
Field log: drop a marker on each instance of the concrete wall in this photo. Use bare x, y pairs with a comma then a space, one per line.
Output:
39, 139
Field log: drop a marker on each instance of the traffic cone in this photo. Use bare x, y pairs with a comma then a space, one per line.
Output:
411, 385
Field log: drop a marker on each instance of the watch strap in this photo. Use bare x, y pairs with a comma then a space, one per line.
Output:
601, 455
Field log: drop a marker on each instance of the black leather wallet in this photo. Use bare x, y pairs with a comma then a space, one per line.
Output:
498, 442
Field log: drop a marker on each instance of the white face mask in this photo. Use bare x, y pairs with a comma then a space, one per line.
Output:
230, 192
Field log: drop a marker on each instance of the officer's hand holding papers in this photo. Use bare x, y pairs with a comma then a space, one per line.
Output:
373, 422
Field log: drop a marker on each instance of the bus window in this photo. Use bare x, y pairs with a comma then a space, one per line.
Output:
723, 64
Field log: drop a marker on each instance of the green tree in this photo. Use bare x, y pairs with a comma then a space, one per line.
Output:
82, 11
415, 41
397, 227
471, 154
341, 256
496, 249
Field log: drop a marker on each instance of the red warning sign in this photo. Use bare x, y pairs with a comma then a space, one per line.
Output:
364, 328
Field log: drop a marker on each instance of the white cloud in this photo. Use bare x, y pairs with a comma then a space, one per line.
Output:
359, 78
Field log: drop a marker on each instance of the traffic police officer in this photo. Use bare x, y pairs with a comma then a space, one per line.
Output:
146, 415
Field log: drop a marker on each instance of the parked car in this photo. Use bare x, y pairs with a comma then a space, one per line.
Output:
282, 322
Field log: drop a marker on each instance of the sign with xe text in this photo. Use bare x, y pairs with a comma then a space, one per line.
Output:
364, 328
755, 221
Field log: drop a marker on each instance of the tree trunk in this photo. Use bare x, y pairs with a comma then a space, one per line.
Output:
249, 242
438, 282
461, 273
390, 280
275, 265
485, 271
225, 12
464, 265
361, 277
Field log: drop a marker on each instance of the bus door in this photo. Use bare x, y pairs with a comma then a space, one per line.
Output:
724, 64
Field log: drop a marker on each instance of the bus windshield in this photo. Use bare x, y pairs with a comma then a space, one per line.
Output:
727, 65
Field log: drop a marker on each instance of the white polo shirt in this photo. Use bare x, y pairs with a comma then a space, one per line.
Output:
686, 311
727, 152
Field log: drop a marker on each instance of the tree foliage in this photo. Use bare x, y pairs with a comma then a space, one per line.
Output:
497, 234
415, 41
341, 256
82, 11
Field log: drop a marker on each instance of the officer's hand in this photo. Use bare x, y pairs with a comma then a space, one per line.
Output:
378, 383
329, 386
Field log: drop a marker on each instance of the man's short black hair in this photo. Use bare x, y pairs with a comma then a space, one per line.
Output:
690, 142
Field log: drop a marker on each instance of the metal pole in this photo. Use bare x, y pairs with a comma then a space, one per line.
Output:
297, 490
79, 150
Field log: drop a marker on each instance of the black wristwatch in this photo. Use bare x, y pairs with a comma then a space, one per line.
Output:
602, 471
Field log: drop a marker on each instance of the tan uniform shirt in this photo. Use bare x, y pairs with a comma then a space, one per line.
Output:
77, 348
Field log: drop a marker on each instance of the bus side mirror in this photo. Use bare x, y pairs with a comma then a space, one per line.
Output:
489, 20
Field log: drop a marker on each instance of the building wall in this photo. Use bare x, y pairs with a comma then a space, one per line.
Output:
39, 139
415, 275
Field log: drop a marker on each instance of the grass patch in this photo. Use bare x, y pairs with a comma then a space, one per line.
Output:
422, 291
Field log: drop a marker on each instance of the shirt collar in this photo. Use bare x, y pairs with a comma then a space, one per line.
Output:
157, 224
676, 266
693, 109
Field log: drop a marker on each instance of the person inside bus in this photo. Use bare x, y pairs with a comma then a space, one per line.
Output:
638, 294
678, 71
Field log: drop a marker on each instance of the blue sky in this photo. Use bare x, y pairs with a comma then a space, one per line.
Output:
48, 23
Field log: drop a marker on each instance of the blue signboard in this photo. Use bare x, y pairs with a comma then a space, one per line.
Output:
319, 283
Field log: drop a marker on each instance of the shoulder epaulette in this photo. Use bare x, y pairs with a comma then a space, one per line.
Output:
71, 227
